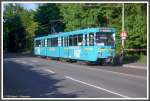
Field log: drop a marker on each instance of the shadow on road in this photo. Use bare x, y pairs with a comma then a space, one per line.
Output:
21, 80
17, 55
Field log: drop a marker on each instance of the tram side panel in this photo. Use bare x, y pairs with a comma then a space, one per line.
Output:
89, 53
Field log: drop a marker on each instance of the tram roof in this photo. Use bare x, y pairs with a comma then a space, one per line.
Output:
101, 29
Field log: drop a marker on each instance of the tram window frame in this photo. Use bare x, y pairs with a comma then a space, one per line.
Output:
91, 39
81, 41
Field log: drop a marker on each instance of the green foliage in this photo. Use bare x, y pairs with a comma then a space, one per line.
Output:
135, 24
13, 28
142, 58
19, 28
30, 27
47, 16
78, 16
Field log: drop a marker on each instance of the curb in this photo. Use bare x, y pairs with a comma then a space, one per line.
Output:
137, 67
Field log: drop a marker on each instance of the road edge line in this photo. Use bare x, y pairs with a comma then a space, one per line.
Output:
96, 86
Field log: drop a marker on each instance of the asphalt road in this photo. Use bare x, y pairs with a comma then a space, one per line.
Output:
28, 76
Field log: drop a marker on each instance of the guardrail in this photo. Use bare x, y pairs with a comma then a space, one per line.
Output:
136, 50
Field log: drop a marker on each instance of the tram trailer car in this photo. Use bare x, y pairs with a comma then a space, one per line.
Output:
91, 44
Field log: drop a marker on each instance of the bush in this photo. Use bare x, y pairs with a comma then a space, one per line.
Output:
142, 58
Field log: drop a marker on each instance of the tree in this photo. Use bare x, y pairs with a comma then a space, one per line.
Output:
135, 23
27, 17
48, 19
13, 28
19, 28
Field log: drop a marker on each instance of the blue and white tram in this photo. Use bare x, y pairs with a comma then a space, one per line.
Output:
91, 44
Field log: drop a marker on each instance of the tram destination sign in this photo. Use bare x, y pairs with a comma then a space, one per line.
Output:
105, 30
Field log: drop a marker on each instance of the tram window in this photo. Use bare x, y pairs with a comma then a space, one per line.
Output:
70, 40
42, 43
91, 39
37, 43
86, 40
65, 41
80, 39
62, 41
52, 42
49, 42
75, 40
104, 38
55, 43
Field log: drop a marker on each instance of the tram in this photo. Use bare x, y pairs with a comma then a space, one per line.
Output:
90, 44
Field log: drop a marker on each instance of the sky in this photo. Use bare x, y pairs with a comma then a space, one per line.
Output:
29, 6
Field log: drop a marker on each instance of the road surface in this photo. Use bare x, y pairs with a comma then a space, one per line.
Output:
28, 76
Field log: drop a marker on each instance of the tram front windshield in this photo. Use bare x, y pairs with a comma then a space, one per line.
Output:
104, 38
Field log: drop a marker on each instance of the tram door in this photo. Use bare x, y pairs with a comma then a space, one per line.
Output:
42, 47
64, 50
91, 39
60, 41
89, 53
45, 48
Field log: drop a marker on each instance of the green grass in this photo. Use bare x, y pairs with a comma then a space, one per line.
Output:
142, 59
